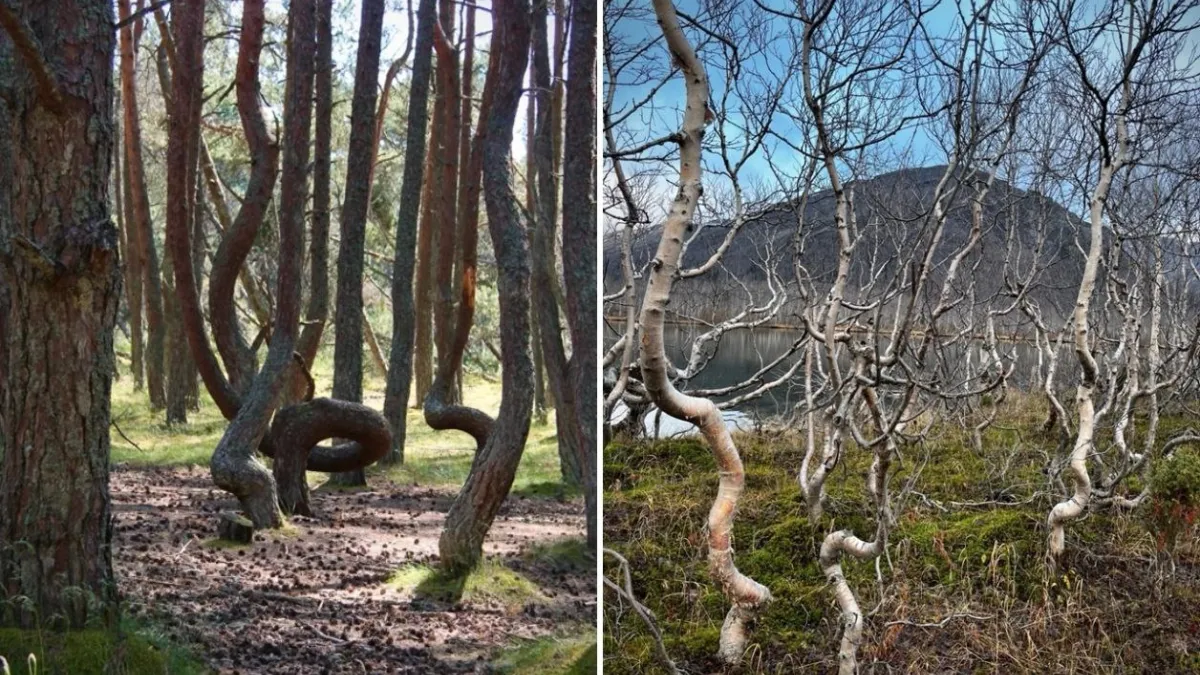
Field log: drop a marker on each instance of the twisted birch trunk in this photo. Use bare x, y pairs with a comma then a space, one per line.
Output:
747, 595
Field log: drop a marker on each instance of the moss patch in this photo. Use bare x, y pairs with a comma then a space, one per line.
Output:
971, 542
564, 555
489, 584
91, 651
555, 655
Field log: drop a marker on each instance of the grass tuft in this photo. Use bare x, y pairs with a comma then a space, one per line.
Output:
489, 584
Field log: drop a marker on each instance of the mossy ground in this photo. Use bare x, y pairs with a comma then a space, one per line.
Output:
1109, 609
137, 651
572, 654
490, 583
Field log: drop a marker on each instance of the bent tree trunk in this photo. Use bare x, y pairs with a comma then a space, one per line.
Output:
400, 357
746, 594
495, 466
234, 467
60, 283
296, 431
441, 409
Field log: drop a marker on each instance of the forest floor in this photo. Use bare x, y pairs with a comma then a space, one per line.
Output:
354, 589
963, 588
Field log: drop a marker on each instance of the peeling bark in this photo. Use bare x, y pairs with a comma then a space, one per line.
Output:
746, 595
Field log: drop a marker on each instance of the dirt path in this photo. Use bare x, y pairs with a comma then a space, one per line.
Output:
316, 600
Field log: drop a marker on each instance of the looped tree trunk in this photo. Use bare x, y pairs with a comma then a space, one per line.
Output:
296, 431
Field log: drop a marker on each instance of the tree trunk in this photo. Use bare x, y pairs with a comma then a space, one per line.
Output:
229, 260
234, 466
495, 466
317, 312
400, 358
545, 277
144, 246
423, 285
442, 407
296, 431
133, 273
539, 364
745, 594
579, 237
445, 188
348, 340
60, 282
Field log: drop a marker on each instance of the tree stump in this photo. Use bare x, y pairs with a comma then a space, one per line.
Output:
235, 527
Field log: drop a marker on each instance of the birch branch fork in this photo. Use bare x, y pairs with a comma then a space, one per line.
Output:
748, 596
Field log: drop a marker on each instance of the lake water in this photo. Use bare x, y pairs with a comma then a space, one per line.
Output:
740, 354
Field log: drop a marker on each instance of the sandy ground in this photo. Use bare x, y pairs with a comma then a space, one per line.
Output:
316, 600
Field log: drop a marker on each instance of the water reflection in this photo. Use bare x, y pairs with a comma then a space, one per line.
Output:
741, 354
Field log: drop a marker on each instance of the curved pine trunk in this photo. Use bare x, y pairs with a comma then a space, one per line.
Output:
495, 466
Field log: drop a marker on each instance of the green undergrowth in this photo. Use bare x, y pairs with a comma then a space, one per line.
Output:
569, 554
570, 654
948, 554
489, 584
442, 459
144, 651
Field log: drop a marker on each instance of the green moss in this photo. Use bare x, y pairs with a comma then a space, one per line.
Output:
564, 555
491, 583
92, 651
224, 544
555, 655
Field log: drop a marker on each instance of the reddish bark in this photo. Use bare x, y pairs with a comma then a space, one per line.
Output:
495, 466
143, 244
60, 284
440, 407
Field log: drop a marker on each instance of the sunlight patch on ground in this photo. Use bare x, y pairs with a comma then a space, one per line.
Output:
491, 583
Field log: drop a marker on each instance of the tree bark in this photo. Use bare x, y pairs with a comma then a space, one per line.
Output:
745, 594
542, 245
495, 466
579, 237
133, 272
234, 467
144, 246
441, 407
423, 285
445, 186
317, 312
239, 237
348, 333
400, 358
296, 431
60, 284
